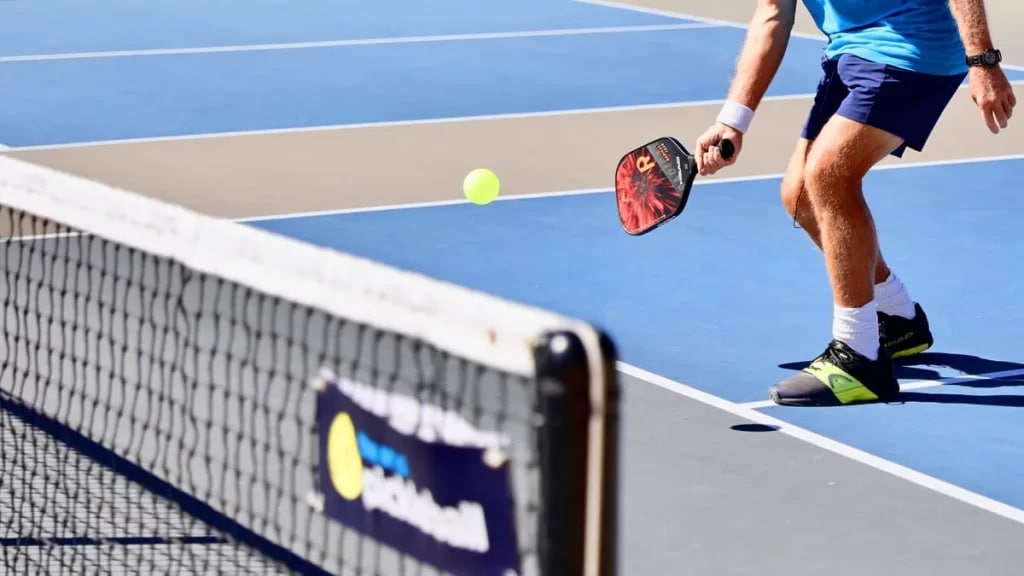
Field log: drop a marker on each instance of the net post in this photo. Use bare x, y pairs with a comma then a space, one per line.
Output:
578, 446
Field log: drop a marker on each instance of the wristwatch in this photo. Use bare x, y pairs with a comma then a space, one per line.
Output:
987, 59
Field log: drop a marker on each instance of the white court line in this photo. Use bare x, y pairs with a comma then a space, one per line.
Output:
758, 405
359, 42
394, 123
866, 458
587, 191
604, 190
918, 385
421, 122
684, 16
716, 22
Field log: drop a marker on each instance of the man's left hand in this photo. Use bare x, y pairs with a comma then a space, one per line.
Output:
994, 96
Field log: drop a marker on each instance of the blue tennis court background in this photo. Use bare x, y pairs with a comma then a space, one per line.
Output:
728, 299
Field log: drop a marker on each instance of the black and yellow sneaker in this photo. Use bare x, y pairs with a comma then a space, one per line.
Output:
901, 337
838, 377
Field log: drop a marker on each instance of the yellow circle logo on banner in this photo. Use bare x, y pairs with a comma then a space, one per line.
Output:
343, 460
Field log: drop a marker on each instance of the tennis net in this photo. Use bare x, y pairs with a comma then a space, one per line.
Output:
182, 394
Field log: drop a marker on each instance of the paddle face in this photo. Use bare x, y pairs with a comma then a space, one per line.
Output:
652, 184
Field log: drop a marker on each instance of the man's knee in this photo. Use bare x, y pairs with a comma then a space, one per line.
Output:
842, 155
824, 168
794, 197
829, 183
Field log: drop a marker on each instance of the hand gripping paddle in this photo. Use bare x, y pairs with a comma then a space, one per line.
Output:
652, 183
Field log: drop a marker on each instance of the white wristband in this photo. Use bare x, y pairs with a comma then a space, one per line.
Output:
736, 116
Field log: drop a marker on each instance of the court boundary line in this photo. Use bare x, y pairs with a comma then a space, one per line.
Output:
905, 473
402, 123
718, 22
378, 41
418, 122
917, 385
602, 190
684, 16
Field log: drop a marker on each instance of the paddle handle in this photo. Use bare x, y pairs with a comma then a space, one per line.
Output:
727, 148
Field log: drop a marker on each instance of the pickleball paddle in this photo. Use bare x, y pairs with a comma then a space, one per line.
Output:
653, 182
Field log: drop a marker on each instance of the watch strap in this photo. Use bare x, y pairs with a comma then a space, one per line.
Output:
987, 59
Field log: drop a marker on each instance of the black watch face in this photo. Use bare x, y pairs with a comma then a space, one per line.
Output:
991, 57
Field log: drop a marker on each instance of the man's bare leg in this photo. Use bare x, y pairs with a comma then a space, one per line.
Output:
855, 366
836, 164
890, 293
798, 204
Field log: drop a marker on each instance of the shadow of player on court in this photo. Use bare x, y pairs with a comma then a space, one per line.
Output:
975, 371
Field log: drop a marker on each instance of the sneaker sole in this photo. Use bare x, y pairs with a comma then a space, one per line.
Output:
910, 351
773, 395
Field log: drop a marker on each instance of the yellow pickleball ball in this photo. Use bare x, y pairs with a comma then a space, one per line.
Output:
481, 186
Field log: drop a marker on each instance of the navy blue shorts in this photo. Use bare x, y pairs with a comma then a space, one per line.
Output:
904, 103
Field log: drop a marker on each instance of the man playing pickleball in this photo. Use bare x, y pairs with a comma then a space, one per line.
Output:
890, 68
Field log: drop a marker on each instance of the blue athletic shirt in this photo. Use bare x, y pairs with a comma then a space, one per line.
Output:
918, 35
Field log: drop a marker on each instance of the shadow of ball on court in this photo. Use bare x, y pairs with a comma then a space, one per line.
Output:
754, 428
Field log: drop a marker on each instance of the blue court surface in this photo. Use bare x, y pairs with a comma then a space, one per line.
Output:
153, 72
730, 297
727, 299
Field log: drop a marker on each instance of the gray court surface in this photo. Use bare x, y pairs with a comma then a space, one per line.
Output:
711, 494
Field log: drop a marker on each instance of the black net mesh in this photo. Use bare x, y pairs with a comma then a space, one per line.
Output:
158, 420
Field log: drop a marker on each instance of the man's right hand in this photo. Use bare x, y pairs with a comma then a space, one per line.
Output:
709, 157
993, 95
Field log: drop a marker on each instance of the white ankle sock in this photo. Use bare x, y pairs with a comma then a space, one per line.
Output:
893, 299
857, 328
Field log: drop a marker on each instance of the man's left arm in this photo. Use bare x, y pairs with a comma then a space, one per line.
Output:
990, 89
